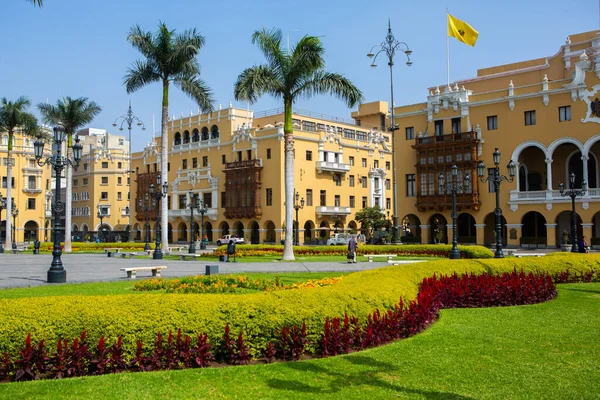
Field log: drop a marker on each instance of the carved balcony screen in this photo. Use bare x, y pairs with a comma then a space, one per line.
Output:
242, 188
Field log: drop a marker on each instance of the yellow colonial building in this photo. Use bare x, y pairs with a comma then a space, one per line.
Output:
543, 114
101, 184
31, 191
233, 160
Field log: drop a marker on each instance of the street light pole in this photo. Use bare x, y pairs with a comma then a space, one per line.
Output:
573, 193
202, 211
2, 206
389, 46
497, 179
192, 205
101, 216
146, 205
57, 273
454, 187
15, 213
158, 194
297, 207
129, 119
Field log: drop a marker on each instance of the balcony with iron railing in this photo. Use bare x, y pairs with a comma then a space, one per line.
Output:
550, 196
244, 164
335, 167
185, 214
196, 144
332, 211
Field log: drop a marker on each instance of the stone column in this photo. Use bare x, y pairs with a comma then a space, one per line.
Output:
480, 234
549, 173
587, 232
551, 235
515, 241
425, 233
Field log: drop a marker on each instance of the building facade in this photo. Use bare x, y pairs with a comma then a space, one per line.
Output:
543, 114
31, 191
101, 184
233, 161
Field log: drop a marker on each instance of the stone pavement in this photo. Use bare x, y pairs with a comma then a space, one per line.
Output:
23, 270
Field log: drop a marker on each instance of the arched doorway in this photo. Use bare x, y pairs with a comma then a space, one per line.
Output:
137, 232
182, 232
255, 233
411, 229
323, 232
309, 227
195, 135
533, 230
338, 226
31, 231
532, 169
208, 231
238, 229
438, 231
170, 233
564, 228
177, 139
224, 226
465, 224
270, 227
75, 235
84, 231
489, 232
186, 137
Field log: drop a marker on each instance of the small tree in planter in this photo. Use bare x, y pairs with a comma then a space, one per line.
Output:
566, 242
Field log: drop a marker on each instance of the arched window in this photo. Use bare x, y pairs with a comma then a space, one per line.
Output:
186, 137
195, 135
214, 132
177, 138
204, 133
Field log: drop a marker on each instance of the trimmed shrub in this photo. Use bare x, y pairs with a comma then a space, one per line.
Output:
83, 247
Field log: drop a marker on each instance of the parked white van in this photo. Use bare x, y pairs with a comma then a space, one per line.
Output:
339, 239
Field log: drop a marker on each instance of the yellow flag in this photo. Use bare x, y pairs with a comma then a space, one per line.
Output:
462, 31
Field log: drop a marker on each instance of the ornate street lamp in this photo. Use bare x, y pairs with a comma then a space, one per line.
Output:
57, 273
157, 195
572, 193
202, 210
389, 47
193, 203
145, 205
101, 215
454, 187
497, 179
297, 207
129, 119
2, 206
15, 214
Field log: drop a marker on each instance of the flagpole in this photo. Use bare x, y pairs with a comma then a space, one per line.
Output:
448, 49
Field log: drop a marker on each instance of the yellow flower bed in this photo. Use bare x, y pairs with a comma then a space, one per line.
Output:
258, 315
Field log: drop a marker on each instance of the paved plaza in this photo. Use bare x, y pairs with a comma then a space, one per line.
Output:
23, 270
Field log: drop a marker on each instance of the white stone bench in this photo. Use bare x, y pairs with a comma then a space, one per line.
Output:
389, 256
128, 255
529, 254
115, 249
185, 256
18, 251
177, 248
131, 271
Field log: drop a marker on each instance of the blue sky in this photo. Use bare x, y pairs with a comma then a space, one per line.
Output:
79, 48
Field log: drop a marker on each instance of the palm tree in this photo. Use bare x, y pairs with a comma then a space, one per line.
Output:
13, 115
72, 114
36, 2
297, 72
169, 58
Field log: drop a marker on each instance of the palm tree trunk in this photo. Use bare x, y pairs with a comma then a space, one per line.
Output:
288, 130
69, 202
7, 244
164, 153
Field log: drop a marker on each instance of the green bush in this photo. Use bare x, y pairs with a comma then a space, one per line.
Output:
84, 247
257, 315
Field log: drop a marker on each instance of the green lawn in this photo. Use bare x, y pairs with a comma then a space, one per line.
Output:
126, 287
544, 351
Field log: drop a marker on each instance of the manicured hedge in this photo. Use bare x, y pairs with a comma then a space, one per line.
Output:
83, 247
257, 315
431, 250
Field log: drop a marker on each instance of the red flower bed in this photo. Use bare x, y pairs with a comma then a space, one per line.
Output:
340, 335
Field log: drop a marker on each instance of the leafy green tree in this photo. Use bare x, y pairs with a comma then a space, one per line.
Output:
13, 117
72, 114
289, 75
169, 58
371, 218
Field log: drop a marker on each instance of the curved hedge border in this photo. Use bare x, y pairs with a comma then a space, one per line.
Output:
257, 315
82, 246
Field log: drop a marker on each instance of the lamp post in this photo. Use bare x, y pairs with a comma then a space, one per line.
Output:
389, 46
15, 214
101, 216
158, 194
572, 193
146, 205
202, 210
129, 119
454, 187
497, 179
2, 206
57, 273
297, 207
192, 204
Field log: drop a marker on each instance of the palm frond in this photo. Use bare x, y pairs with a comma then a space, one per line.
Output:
255, 81
38, 3
13, 114
307, 58
141, 74
330, 83
269, 42
197, 89
186, 47
142, 41
71, 113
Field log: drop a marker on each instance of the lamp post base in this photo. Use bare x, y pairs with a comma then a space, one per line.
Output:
57, 275
454, 254
192, 249
202, 246
157, 255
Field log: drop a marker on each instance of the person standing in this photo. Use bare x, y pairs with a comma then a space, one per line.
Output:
583, 247
352, 250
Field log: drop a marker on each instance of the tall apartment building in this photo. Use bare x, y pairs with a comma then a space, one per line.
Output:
233, 160
31, 190
101, 183
543, 114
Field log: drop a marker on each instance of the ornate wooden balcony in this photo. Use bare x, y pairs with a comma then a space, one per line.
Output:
470, 136
444, 202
